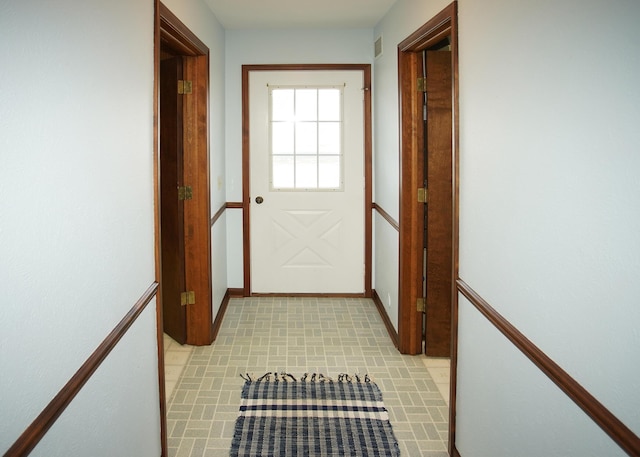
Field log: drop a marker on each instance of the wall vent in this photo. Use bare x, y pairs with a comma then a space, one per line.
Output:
377, 46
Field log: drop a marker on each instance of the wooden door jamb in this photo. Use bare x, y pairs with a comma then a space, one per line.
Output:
171, 32
442, 25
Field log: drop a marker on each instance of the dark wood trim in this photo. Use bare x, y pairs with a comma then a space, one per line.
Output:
432, 32
172, 32
161, 381
411, 219
453, 378
607, 421
235, 293
386, 216
157, 232
177, 35
197, 213
246, 222
385, 318
217, 323
227, 205
443, 24
368, 191
218, 213
368, 182
454, 452
39, 427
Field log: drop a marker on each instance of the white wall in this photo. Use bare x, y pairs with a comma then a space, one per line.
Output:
549, 217
245, 47
76, 221
404, 18
197, 16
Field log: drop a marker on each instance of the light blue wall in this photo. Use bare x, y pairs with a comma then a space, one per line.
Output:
549, 224
549, 197
77, 222
522, 412
549, 189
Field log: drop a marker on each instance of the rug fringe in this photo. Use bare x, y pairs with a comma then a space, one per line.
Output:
274, 376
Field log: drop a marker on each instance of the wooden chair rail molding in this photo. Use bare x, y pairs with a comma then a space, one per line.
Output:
218, 213
612, 426
39, 427
223, 208
385, 318
386, 216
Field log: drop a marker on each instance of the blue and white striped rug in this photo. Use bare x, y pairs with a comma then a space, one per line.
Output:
314, 416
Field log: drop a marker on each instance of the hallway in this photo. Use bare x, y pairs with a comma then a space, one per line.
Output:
298, 335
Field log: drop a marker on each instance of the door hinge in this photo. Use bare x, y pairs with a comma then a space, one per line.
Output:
422, 84
423, 195
188, 298
420, 305
185, 193
184, 87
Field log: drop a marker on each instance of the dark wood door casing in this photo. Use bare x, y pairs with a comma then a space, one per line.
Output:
173, 38
426, 159
411, 211
442, 25
197, 210
367, 131
412, 174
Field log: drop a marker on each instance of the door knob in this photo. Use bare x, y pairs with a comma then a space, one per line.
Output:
259, 200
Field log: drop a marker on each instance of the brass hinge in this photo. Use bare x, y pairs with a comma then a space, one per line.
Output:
188, 298
423, 195
420, 305
185, 193
422, 84
184, 87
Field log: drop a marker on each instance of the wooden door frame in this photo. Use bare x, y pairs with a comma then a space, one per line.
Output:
368, 193
442, 25
171, 32
176, 35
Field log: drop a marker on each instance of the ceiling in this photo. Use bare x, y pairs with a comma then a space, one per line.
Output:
272, 14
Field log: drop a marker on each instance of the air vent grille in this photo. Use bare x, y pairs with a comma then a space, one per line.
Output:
378, 47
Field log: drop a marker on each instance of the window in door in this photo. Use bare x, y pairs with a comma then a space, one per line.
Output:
306, 138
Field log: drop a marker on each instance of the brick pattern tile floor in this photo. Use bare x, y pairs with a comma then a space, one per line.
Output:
300, 335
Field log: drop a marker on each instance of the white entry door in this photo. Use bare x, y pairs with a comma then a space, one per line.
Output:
307, 181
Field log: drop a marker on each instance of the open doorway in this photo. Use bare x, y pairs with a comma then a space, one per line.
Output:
428, 79
183, 203
182, 194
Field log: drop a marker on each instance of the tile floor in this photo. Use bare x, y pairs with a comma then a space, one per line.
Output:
176, 357
298, 335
